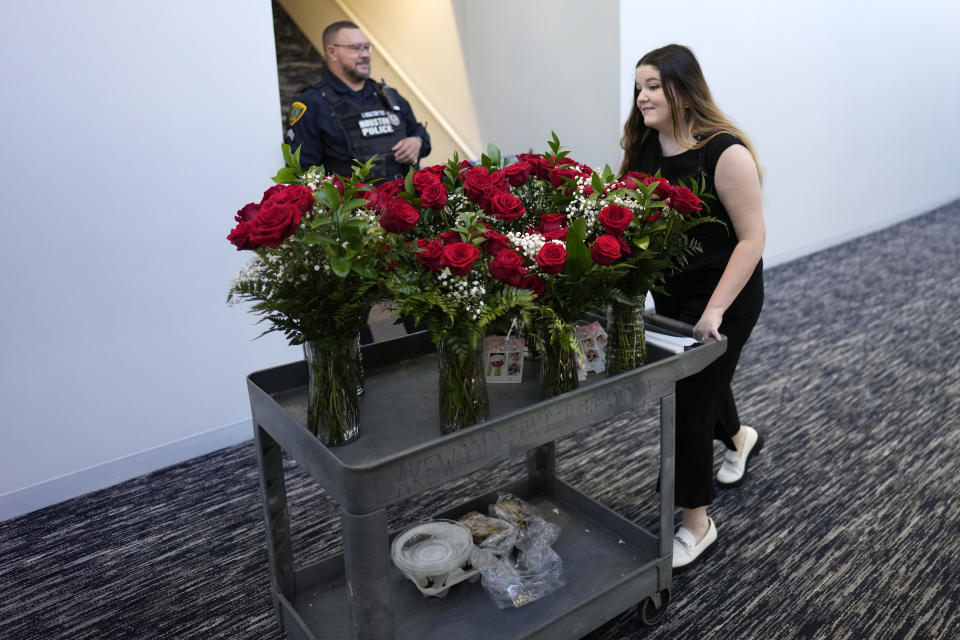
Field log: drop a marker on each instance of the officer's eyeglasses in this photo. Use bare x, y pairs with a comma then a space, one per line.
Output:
357, 48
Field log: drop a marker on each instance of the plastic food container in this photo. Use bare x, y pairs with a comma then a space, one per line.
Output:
433, 555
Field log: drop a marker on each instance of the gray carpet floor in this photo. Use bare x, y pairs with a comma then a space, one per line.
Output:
847, 528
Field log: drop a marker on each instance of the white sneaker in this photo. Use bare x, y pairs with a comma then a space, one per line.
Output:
733, 471
686, 549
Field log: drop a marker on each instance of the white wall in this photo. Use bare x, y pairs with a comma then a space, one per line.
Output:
853, 106
132, 132
544, 65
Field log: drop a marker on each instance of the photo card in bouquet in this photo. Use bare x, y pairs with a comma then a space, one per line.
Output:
593, 346
503, 358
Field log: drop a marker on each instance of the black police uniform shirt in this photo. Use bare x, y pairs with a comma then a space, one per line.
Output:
333, 124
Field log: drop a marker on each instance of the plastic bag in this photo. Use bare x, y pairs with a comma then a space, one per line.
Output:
517, 563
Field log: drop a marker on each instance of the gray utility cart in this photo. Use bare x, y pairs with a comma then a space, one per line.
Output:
609, 563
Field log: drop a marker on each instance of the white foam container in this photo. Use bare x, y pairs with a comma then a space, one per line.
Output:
433, 555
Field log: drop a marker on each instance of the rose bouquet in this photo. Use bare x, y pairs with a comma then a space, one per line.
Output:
320, 257
443, 280
543, 240
651, 218
636, 230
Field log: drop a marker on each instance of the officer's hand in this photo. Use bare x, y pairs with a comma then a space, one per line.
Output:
407, 151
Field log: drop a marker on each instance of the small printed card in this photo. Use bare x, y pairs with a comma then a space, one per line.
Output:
593, 347
503, 359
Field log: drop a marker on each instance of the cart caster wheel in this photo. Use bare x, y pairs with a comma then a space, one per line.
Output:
652, 609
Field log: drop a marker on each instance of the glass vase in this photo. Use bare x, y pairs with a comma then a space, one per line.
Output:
626, 345
333, 411
463, 386
559, 363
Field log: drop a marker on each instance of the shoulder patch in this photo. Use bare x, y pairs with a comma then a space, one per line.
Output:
297, 109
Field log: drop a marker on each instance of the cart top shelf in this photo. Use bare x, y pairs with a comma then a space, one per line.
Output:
401, 450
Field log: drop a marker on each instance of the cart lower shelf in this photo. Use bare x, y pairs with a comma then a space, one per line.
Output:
609, 565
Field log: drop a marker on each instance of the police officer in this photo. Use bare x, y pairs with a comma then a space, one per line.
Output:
347, 115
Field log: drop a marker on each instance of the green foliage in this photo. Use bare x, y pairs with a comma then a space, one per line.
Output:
557, 151
492, 158
289, 174
419, 295
579, 261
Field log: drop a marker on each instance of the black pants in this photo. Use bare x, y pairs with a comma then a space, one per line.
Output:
706, 409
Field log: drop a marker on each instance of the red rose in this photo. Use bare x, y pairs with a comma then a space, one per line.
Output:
552, 257
624, 247
435, 169
476, 180
615, 218
460, 257
507, 267
605, 250
587, 190
423, 179
653, 216
551, 222
240, 236
683, 201
399, 216
533, 282
538, 164
378, 200
663, 188
506, 207
500, 180
496, 242
274, 223
557, 176
480, 185
557, 234
430, 254
271, 192
450, 237
339, 185
393, 187
632, 179
434, 196
585, 169
518, 173
247, 213
295, 195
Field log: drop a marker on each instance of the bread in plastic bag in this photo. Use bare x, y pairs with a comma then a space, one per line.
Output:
517, 563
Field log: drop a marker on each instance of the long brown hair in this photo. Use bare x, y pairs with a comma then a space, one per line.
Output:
696, 119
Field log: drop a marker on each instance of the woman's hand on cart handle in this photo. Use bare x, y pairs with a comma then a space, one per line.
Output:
708, 326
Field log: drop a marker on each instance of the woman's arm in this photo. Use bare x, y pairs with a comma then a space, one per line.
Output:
738, 187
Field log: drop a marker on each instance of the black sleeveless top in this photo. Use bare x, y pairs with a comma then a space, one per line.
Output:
701, 275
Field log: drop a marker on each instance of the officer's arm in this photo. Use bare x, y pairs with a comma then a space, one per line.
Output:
302, 131
413, 127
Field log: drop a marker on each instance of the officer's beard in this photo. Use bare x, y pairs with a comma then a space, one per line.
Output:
357, 75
